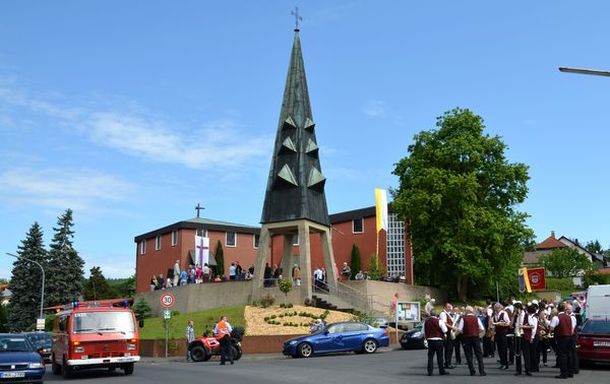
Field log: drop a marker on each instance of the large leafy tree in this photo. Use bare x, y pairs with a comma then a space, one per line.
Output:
26, 281
459, 194
96, 287
66, 277
566, 262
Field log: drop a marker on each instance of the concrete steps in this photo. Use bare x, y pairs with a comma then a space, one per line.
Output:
333, 303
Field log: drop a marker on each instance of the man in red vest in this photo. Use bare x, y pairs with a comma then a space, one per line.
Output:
501, 323
563, 326
471, 329
434, 332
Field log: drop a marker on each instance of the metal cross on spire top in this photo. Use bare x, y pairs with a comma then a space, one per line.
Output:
297, 18
199, 208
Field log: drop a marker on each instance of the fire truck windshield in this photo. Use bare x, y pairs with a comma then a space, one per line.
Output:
89, 322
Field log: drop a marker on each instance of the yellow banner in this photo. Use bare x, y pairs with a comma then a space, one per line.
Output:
381, 209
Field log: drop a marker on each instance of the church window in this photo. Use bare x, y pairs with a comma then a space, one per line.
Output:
231, 239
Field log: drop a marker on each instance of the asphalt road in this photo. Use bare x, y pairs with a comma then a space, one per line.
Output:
385, 366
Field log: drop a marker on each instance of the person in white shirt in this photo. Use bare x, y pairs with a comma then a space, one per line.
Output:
446, 317
434, 333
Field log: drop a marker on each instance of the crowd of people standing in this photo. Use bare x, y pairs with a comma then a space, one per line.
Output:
520, 334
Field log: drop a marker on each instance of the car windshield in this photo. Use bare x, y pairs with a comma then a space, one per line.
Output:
597, 326
90, 322
15, 344
40, 339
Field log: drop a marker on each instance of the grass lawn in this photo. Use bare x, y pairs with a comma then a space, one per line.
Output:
154, 327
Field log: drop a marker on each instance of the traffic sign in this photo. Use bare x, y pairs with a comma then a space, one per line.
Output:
168, 300
167, 314
40, 324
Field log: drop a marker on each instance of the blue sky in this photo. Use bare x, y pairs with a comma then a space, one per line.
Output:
131, 113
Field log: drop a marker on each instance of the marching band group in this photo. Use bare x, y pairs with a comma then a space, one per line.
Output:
520, 334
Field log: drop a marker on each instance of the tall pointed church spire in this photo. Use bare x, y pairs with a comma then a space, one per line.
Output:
295, 188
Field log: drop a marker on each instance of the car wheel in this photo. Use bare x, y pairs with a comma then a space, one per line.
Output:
128, 368
304, 350
369, 346
198, 353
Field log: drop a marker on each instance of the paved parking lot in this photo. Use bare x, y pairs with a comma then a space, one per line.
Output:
386, 366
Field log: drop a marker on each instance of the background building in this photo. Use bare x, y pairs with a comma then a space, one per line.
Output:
158, 250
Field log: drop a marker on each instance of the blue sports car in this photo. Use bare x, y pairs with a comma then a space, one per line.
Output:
338, 337
19, 360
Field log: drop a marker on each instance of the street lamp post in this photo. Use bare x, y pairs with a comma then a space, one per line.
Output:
585, 71
41, 288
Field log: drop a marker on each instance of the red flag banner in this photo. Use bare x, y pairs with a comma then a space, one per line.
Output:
537, 278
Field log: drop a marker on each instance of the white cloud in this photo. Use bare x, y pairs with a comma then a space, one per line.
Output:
61, 188
217, 144
375, 108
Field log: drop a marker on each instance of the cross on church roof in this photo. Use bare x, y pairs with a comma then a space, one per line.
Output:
199, 208
297, 18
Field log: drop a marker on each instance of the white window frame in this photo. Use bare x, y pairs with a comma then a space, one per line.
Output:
158, 243
254, 240
143, 247
202, 232
227, 239
295, 243
174, 238
353, 226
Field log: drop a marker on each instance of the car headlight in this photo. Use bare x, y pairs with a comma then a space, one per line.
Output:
293, 342
79, 349
416, 335
131, 347
35, 365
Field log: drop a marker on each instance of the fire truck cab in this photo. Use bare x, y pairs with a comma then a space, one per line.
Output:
89, 336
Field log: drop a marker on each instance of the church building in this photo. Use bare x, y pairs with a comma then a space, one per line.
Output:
294, 211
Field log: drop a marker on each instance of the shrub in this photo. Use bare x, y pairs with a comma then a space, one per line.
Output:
273, 316
142, 309
267, 301
560, 284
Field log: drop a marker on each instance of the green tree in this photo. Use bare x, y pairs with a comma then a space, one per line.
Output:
66, 277
123, 287
565, 262
96, 287
459, 194
220, 259
26, 280
285, 287
142, 309
375, 271
4, 328
594, 247
355, 261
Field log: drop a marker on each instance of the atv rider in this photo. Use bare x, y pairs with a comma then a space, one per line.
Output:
223, 329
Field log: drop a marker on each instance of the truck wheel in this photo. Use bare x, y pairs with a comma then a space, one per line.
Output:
128, 368
198, 353
66, 370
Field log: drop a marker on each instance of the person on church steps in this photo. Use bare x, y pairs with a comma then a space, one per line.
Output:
434, 332
447, 319
471, 328
563, 326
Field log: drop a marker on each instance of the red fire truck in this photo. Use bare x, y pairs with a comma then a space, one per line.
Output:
89, 335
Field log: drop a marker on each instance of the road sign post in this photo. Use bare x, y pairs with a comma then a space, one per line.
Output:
167, 301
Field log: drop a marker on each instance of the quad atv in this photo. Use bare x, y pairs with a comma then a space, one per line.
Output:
203, 348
